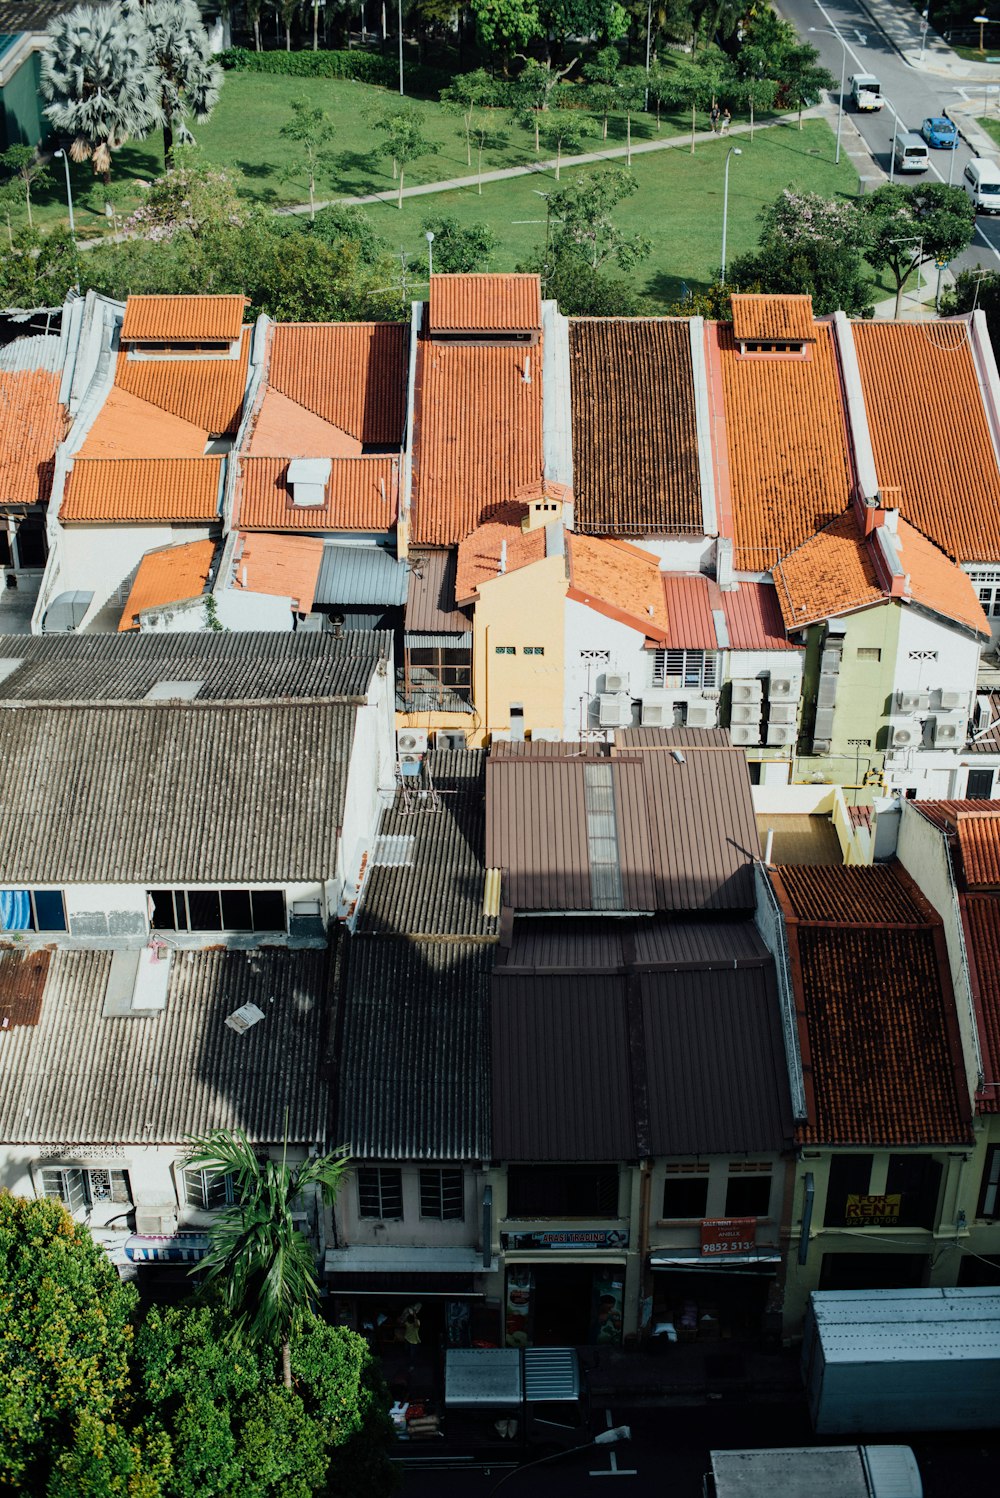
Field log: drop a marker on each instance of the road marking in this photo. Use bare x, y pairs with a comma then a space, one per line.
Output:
614, 1470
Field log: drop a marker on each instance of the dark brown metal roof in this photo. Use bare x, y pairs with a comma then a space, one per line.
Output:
579, 944
548, 749
430, 602
22, 984
630, 376
683, 835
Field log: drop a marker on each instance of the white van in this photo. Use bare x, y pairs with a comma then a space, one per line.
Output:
982, 183
911, 153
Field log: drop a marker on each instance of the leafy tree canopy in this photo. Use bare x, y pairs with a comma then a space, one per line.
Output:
808, 245
459, 250
904, 227
503, 25
581, 222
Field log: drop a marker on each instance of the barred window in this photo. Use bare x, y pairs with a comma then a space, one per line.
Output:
208, 1191
442, 1195
685, 668
77, 1188
380, 1193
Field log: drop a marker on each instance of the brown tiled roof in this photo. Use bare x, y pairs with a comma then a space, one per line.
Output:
878, 1028
485, 304
942, 814
161, 489
988, 742
499, 540
635, 443
22, 986
362, 495
477, 438
785, 443
183, 319
772, 319
862, 816
32, 423
205, 391
832, 573
353, 375
938, 459
168, 575
978, 837
619, 580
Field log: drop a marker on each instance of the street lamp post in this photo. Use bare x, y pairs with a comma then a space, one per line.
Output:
925, 26
430, 254
981, 22
733, 151
892, 148
828, 31
61, 155
399, 8
609, 1437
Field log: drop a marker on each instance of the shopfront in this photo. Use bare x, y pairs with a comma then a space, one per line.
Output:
369, 1289
723, 1288
564, 1287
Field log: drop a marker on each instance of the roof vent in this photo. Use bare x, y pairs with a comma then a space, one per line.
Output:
169, 691
307, 479
243, 1018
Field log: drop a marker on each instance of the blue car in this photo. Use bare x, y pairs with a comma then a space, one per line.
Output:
941, 133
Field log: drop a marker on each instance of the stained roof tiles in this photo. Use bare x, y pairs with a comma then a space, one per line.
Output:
183, 319
143, 489
485, 303
283, 566
352, 375
831, 573
362, 494
498, 546
168, 575
772, 319
619, 579
32, 423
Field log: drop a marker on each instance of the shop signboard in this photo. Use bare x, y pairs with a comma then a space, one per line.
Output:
728, 1235
873, 1211
571, 1238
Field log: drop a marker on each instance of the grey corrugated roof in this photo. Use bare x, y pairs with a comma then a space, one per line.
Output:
41, 351
664, 1043
413, 1050
356, 576
77, 1078
123, 667
440, 892
685, 830
165, 792
430, 603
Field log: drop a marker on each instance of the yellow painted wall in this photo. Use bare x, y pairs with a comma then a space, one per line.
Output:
521, 608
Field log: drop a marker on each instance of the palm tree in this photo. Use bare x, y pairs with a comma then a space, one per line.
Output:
99, 82
189, 82
258, 1261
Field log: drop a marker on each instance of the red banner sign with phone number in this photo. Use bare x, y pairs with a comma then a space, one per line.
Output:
728, 1235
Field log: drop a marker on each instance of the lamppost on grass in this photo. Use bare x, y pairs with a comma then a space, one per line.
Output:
733, 151
827, 31
62, 156
981, 22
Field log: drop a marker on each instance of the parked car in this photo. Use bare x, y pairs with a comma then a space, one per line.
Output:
940, 133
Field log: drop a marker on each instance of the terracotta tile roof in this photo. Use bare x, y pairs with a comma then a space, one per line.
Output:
206, 391
362, 495
128, 427
977, 833
619, 580
938, 583
183, 319
32, 423
353, 375
479, 555
284, 429
942, 814
162, 489
753, 618
878, 1029
286, 566
772, 319
635, 443
862, 816
485, 304
938, 463
832, 573
785, 444
690, 600
477, 438
981, 922
168, 575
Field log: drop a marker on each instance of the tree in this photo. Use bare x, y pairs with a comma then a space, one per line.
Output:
503, 25
754, 93
976, 289
465, 94
631, 94
40, 269
459, 250
802, 78
67, 1334
288, 9
582, 291
696, 84
258, 1260
808, 245
486, 137
253, 9
348, 223
311, 130
580, 220
536, 90
404, 141
21, 164
191, 197
189, 81
601, 74
903, 227
565, 132
99, 81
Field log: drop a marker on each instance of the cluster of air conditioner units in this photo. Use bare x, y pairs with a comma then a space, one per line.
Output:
411, 746
946, 726
747, 710
658, 711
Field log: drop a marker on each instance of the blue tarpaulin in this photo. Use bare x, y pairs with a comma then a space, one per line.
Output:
15, 910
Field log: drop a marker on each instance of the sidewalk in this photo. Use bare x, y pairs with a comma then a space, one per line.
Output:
695, 1374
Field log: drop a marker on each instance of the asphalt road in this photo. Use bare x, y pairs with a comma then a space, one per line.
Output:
911, 96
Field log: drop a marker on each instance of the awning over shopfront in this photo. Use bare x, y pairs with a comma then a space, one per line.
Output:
765, 1261
428, 1271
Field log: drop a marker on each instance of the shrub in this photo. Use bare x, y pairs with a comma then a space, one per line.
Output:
363, 67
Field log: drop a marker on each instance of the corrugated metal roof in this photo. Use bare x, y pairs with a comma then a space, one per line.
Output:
690, 624
173, 793
440, 891
685, 830
78, 1078
430, 602
355, 576
753, 618
39, 351
413, 1050
227, 665
569, 945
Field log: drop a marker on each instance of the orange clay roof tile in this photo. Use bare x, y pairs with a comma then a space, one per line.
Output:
933, 452
284, 429
137, 489
831, 574
183, 319
485, 304
786, 445
478, 435
207, 391
479, 555
936, 582
777, 319
286, 566
618, 579
978, 835
353, 375
168, 575
32, 423
128, 427
362, 495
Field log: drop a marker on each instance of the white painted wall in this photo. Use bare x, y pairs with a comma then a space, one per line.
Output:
414, 1231
370, 784
101, 559
743, 664
586, 629
935, 774
680, 553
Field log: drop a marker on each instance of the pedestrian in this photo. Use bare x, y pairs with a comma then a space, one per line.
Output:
409, 1326
714, 117
727, 120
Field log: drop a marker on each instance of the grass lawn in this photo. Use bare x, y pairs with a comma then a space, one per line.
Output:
991, 124
679, 205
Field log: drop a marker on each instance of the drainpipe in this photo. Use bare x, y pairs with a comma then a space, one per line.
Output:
807, 1217
487, 1228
